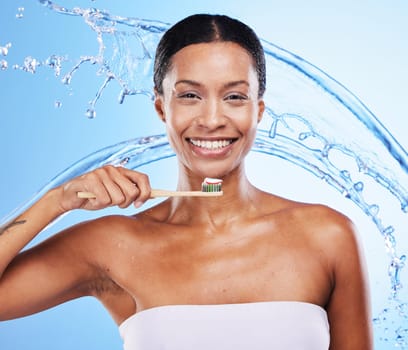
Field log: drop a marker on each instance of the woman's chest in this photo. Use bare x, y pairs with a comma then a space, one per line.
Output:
234, 269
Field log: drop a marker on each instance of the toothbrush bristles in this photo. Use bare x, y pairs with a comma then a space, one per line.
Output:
211, 185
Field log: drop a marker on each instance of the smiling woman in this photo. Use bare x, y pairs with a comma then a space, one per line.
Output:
273, 271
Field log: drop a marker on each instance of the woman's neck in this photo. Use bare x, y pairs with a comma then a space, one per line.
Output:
238, 197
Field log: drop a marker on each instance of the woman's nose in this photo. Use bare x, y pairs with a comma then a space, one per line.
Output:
211, 116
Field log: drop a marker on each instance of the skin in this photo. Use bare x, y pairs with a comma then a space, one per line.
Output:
245, 246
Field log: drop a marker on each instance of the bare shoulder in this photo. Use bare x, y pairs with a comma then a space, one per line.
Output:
330, 216
335, 233
335, 229
323, 222
319, 225
106, 226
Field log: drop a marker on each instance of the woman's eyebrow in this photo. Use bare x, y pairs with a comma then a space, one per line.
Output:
235, 83
188, 82
226, 85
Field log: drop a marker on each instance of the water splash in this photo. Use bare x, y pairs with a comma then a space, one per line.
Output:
314, 122
131, 67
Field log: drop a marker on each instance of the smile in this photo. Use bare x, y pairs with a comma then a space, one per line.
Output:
211, 145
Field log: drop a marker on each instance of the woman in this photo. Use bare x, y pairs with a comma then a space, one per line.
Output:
247, 270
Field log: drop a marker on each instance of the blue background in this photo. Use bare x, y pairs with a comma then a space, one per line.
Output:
361, 44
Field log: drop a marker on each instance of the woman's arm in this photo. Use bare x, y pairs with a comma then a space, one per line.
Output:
46, 275
15, 235
349, 307
59, 268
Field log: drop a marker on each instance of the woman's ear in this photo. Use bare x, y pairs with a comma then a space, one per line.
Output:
261, 109
159, 105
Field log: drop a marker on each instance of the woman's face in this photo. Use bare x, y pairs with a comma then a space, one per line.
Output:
211, 107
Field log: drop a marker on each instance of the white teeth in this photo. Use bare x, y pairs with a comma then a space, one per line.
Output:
211, 144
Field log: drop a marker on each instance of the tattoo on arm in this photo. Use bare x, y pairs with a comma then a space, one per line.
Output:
10, 225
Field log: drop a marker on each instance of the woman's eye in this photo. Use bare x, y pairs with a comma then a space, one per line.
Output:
235, 97
188, 95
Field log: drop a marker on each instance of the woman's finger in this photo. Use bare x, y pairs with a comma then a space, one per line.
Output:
142, 184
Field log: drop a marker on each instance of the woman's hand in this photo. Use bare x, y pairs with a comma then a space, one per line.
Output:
111, 186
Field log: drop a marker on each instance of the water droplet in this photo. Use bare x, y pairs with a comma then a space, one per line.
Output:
124, 161
3, 65
358, 186
388, 231
20, 12
345, 174
66, 80
389, 243
5, 49
398, 262
303, 136
122, 95
55, 62
373, 209
30, 64
90, 113
376, 320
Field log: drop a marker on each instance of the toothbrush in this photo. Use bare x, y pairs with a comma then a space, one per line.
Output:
209, 188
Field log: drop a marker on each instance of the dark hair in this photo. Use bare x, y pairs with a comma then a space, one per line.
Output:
204, 28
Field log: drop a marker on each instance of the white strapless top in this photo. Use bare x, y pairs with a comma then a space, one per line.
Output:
276, 325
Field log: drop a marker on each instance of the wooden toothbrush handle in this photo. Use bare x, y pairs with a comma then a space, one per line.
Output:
166, 193
163, 193
87, 195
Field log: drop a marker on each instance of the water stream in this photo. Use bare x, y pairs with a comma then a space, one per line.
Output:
312, 121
